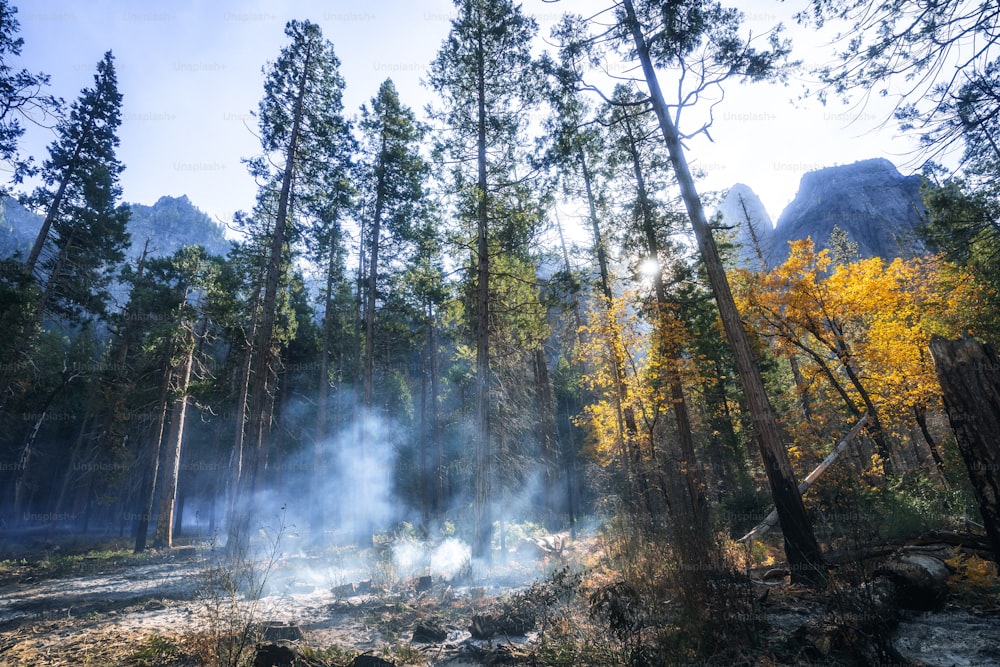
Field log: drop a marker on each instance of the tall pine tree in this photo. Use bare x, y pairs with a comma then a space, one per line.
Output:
303, 136
392, 173
83, 236
486, 78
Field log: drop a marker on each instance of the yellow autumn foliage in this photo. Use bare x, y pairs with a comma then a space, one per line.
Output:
864, 325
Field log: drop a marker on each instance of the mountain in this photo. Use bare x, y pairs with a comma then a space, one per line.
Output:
169, 224
743, 212
172, 223
18, 228
878, 208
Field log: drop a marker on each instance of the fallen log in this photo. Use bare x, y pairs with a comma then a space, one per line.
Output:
969, 542
771, 520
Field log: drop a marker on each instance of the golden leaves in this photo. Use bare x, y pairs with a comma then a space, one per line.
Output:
864, 325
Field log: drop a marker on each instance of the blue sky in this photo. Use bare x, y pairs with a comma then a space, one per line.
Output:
190, 73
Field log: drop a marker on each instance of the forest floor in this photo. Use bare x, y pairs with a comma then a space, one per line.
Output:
72, 602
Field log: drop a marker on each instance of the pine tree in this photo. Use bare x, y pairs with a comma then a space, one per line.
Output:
303, 133
487, 81
392, 174
83, 235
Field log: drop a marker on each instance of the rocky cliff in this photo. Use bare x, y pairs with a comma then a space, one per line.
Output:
878, 208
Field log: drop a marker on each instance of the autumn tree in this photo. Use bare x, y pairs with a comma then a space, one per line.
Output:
862, 328
650, 223
963, 223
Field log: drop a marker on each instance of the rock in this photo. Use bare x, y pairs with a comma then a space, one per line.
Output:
430, 631
343, 591
949, 638
921, 580
512, 623
879, 208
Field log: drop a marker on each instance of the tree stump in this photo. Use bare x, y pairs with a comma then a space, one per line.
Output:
969, 373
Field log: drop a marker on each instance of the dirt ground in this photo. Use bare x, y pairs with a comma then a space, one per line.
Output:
104, 606
97, 604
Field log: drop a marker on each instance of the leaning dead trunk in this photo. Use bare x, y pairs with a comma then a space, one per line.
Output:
969, 373
771, 520
801, 547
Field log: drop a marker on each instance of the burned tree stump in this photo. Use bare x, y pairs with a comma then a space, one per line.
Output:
277, 631
366, 660
430, 631
969, 373
273, 655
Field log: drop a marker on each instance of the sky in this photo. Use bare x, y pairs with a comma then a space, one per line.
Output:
190, 72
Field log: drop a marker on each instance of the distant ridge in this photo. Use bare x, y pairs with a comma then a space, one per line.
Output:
169, 224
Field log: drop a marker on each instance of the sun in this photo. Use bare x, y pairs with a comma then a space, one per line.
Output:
649, 267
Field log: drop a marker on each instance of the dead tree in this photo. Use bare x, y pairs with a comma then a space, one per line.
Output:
969, 373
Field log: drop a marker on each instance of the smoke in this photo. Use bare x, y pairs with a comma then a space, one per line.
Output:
446, 560
348, 510
358, 481
337, 491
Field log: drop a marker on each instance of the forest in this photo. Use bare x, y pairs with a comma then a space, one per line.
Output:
402, 348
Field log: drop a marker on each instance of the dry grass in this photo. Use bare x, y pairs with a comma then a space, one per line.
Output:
94, 647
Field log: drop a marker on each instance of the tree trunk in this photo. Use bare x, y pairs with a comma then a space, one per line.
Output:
28, 448
969, 373
440, 491
627, 430
920, 412
547, 431
874, 423
801, 548
695, 502
482, 546
372, 288
147, 493
239, 454
263, 362
172, 458
320, 454
68, 479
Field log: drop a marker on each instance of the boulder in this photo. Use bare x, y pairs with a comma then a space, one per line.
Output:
921, 580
